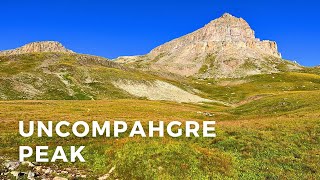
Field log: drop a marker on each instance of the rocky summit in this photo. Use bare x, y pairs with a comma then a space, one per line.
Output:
224, 48
37, 47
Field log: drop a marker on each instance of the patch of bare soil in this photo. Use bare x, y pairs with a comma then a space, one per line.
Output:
158, 90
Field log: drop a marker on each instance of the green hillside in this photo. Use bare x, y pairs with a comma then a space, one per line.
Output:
267, 128
62, 76
59, 76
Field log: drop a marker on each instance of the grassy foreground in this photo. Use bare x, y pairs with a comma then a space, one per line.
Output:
275, 137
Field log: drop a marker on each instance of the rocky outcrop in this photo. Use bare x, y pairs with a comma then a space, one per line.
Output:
226, 47
32, 170
38, 47
219, 35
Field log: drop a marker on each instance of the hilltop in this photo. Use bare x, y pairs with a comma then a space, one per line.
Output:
38, 47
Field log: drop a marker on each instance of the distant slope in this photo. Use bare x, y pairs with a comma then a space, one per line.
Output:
63, 76
247, 89
294, 103
55, 76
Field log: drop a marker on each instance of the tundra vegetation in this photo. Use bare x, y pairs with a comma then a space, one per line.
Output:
267, 128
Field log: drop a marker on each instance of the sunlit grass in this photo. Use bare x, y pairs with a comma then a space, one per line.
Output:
249, 145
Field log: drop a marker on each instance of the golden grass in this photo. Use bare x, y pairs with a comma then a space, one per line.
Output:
249, 145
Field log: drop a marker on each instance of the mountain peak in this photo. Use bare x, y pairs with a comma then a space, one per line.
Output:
226, 15
224, 48
38, 47
227, 28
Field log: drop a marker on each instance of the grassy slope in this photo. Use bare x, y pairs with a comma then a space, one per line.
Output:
54, 76
266, 84
254, 142
271, 131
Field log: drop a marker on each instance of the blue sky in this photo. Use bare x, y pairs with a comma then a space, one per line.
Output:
112, 28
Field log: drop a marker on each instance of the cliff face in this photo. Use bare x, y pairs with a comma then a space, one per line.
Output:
226, 47
219, 49
42, 46
218, 35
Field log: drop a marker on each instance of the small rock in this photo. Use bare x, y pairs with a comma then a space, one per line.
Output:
31, 175
12, 165
83, 176
68, 169
15, 173
112, 169
59, 178
208, 114
47, 171
38, 168
3, 171
104, 177
64, 172
27, 163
